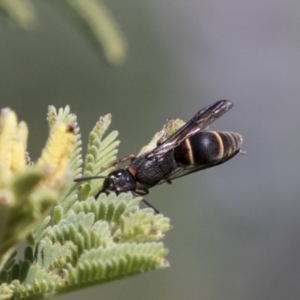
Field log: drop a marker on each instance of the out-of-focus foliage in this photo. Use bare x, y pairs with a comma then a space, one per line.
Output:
91, 16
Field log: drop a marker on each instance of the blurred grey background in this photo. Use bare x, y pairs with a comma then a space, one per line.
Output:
236, 228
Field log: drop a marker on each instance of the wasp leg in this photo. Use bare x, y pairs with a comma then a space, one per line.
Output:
143, 193
150, 205
125, 158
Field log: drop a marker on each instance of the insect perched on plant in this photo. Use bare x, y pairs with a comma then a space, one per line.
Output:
191, 148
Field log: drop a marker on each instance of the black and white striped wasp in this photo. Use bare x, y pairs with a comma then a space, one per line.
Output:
191, 148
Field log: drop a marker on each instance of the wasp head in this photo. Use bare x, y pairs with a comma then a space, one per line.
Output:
119, 181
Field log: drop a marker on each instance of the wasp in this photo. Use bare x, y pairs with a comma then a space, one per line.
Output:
191, 148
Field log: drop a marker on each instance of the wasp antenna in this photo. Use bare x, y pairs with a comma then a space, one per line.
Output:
81, 179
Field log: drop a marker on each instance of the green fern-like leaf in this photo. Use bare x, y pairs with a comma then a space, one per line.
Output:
102, 265
93, 244
101, 153
109, 208
87, 242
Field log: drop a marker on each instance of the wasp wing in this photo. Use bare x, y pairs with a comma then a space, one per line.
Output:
201, 120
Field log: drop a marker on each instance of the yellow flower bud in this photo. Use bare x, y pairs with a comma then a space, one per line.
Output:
18, 149
8, 128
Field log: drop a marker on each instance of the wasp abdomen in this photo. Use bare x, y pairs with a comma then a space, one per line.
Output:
208, 147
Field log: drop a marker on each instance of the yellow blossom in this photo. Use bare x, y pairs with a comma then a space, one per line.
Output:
56, 155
